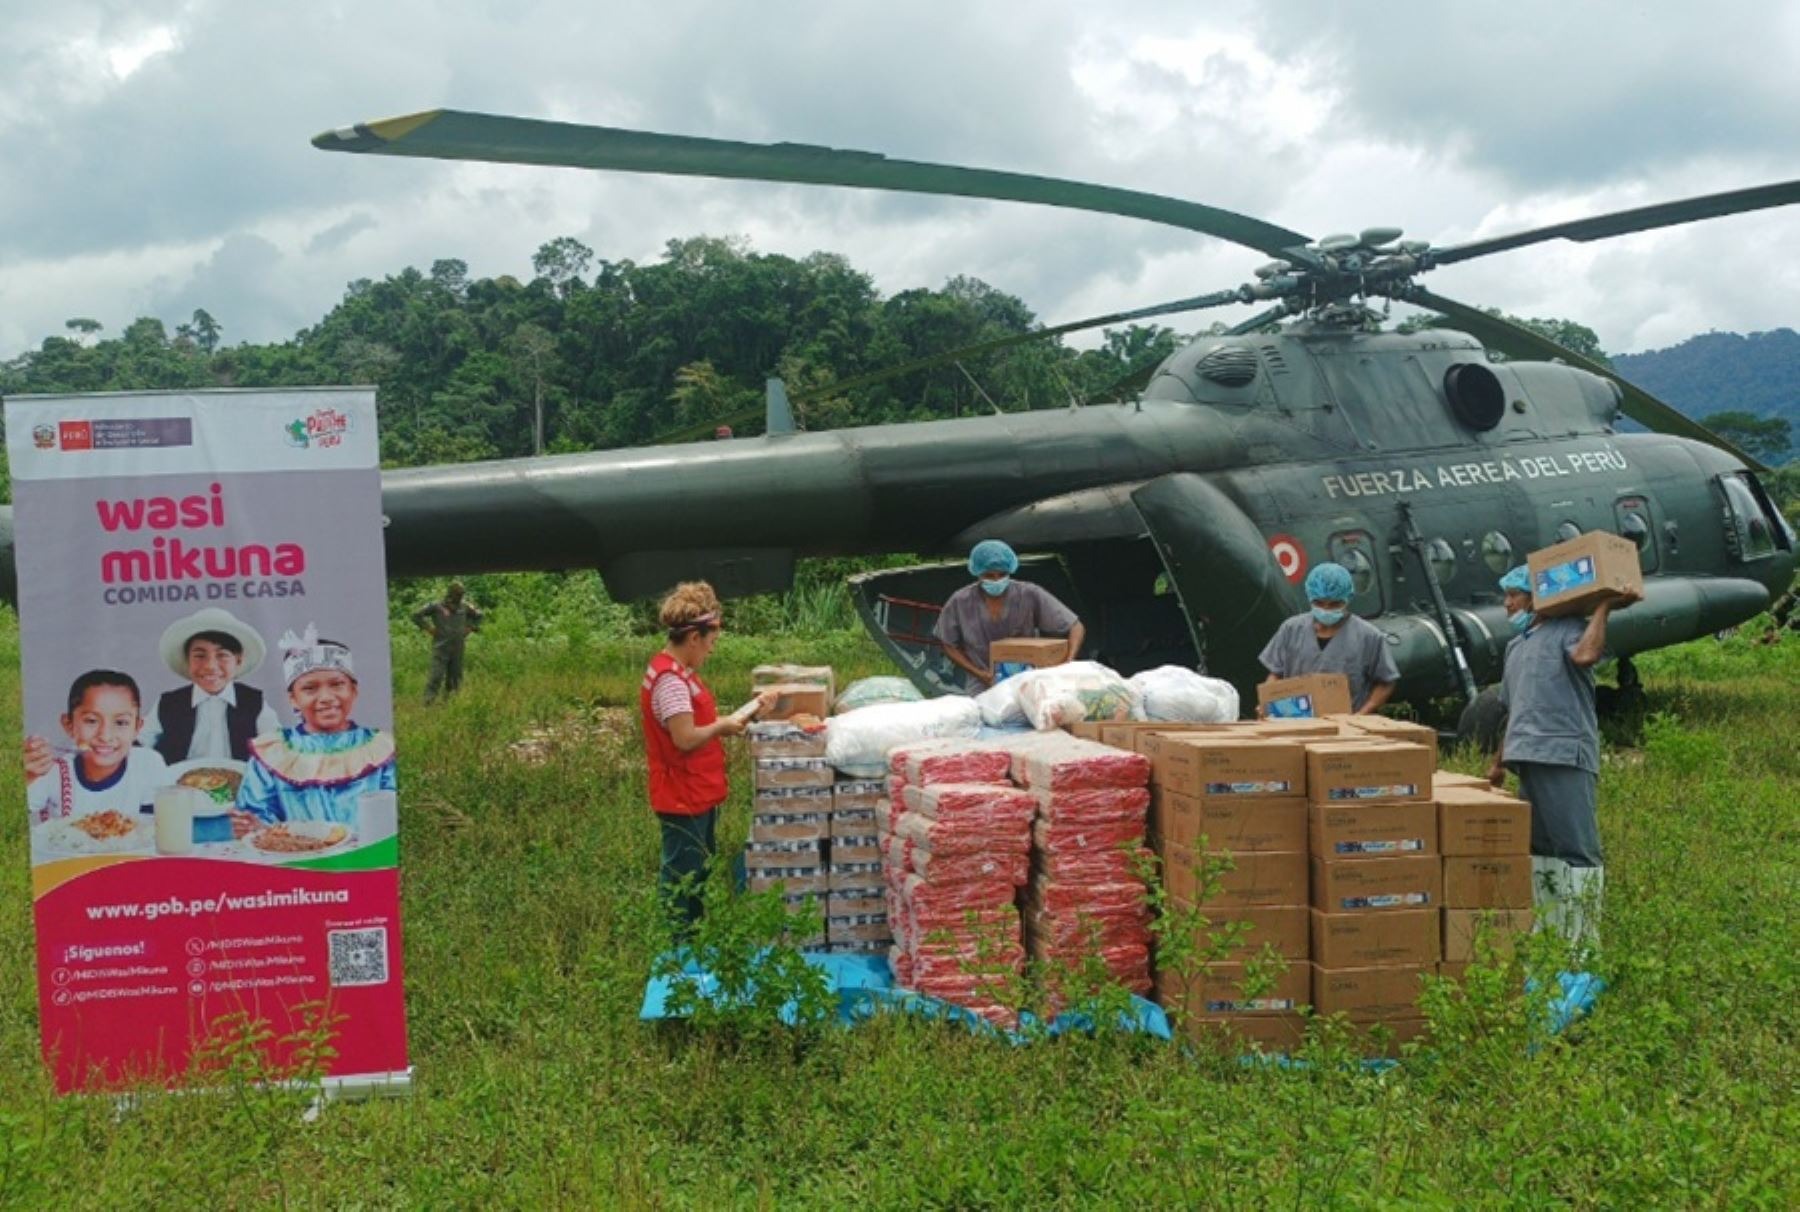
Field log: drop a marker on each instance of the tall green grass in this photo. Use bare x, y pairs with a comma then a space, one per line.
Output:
530, 928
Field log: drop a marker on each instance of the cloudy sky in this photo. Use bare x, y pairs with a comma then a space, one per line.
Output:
154, 154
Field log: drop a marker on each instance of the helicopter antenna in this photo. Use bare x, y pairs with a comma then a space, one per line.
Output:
998, 411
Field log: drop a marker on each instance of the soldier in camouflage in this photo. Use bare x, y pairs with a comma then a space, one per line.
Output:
449, 623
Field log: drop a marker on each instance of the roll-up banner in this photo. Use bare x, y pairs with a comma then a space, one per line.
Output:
209, 747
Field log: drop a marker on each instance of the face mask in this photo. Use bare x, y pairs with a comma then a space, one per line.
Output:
1329, 618
995, 588
1520, 621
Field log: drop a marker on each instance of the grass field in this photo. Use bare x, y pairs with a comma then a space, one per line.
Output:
529, 860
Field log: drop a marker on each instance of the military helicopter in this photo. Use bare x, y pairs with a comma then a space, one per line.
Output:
1179, 522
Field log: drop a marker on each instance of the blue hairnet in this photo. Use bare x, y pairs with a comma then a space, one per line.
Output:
1328, 583
1519, 578
991, 555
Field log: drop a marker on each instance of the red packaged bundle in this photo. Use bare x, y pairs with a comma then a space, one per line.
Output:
900, 963
929, 900
994, 921
1057, 896
1106, 835
973, 802
965, 835
1094, 805
1014, 868
1066, 763
1061, 933
950, 761
1088, 866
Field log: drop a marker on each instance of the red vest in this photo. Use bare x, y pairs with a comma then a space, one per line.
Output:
681, 784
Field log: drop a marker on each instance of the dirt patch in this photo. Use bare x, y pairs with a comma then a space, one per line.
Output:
586, 728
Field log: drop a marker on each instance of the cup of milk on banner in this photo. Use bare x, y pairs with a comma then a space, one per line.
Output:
377, 815
175, 812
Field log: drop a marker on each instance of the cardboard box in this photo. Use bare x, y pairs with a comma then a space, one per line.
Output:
783, 854
1007, 657
852, 824
849, 904
1370, 830
1220, 765
1497, 881
1574, 577
1473, 821
1238, 824
859, 795
1502, 927
1286, 730
1126, 734
864, 877
794, 698
784, 738
1369, 994
789, 828
801, 675
1241, 1035
1395, 730
1255, 878
858, 928
1385, 770
1441, 779
792, 880
1086, 730
1308, 697
1454, 971
1219, 991
788, 772
865, 849
1284, 929
1413, 881
1374, 940
791, 801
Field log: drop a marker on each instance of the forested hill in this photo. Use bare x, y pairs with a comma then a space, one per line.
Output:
1724, 372
612, 353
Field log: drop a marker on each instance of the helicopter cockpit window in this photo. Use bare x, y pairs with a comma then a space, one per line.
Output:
1747, 531
1567, 531
1496, 552
1443, 559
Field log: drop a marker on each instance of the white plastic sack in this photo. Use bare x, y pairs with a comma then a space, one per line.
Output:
999, 704
1173, 693
860, 741
871, 692
1068, 694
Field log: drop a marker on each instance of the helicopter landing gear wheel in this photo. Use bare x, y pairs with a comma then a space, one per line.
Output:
1628, 675
1483, 722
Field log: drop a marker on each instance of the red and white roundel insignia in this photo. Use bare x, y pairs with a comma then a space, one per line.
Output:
1290, 557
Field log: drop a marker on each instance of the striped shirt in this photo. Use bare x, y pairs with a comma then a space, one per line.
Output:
671, 696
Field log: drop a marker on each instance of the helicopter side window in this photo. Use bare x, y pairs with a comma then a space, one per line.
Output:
1354, 549
1568, 530
1443, 560
1633, 515
1748, 532
1496, 552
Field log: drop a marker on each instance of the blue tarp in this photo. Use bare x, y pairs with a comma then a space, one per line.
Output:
865, 988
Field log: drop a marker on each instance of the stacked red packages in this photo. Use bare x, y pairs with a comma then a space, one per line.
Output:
956, 843
1087, 899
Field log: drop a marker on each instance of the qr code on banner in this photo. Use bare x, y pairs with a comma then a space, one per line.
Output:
358, 957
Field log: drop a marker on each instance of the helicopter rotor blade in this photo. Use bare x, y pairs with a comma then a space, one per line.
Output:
1517, 341
1216, 299
447, 134
1624, 222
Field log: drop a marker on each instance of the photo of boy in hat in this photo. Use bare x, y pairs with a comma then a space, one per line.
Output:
216, 715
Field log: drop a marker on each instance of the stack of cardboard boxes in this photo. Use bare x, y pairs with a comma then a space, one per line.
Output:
1486, 839
790, 815
1377, 880
856, 908
1337, 844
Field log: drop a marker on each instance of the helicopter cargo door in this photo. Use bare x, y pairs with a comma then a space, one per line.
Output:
1231, 589
899, 607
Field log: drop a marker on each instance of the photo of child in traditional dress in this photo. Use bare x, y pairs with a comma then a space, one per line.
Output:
317, 769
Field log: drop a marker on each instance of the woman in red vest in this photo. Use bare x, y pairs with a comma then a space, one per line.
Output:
682, 727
